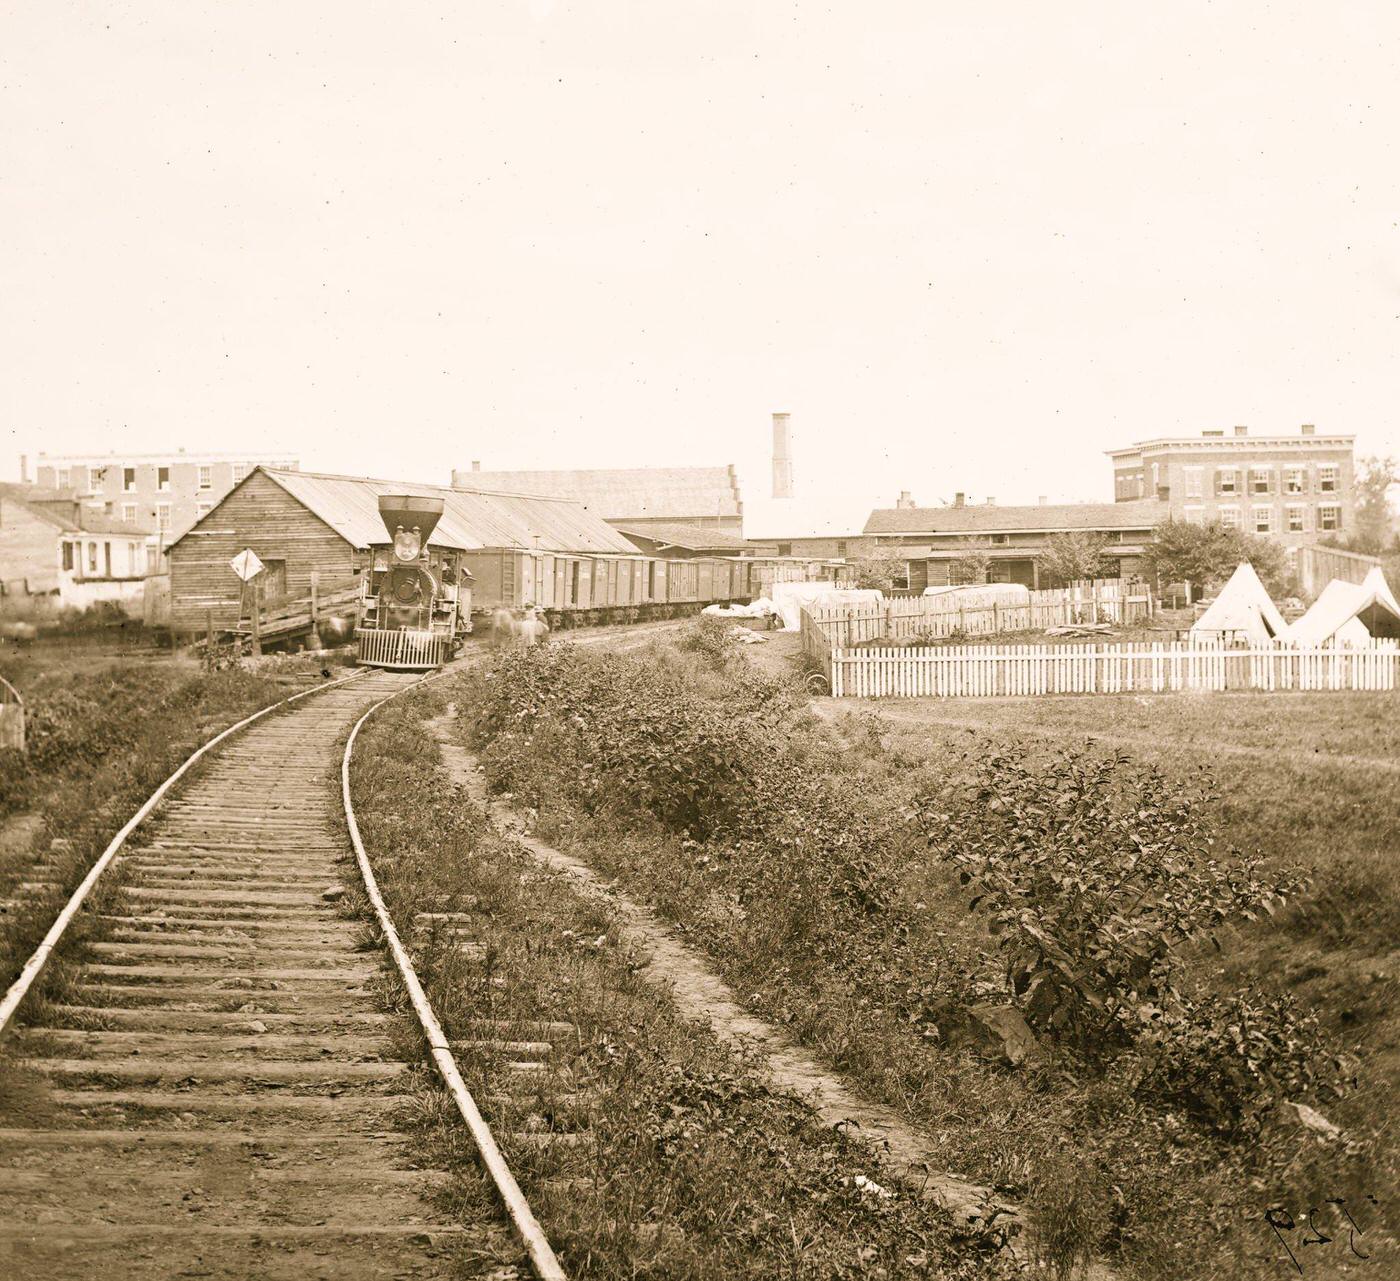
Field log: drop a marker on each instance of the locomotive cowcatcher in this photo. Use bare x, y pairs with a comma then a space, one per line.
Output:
415, 600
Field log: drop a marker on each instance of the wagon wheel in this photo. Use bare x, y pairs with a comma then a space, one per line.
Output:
818, 684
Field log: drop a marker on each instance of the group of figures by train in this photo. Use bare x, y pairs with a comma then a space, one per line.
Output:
419, 600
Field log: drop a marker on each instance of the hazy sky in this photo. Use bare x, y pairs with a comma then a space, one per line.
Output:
967, 246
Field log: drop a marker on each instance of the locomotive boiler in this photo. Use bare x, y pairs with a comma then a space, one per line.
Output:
415, 599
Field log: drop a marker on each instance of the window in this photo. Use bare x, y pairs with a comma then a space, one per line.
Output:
1295, 481
65, 478
1192, 476
128, 480
92, 558
68, 557
1297, 518
163, 517
1194, 515
107, 558
206, 478
1260, 480
1227, 481
129, 512
841, 547
784, 549
94, 478
1329, 516
163, 477
1230, 517
202, 509
1327, 480
240, 470
1263, 520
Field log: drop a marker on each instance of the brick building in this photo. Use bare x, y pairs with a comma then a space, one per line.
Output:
165, 492
1295, 489
932, 539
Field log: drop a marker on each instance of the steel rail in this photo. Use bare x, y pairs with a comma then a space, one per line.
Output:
527, 1227
32, 967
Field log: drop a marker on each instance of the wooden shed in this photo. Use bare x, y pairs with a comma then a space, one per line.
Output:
299, 523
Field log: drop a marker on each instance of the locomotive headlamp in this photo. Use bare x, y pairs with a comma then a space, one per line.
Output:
408, 544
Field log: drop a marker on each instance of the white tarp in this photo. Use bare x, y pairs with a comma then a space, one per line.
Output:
1243, 610
760, 608
789, 599
1348, 614
981, 595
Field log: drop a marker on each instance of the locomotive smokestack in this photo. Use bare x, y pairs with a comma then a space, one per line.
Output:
409, 510
782, 457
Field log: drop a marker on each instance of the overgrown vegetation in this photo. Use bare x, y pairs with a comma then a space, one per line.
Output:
825, 877
647, 1148
1206, 554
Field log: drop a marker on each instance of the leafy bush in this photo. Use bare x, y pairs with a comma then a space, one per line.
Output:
1091, 872
1225, 1059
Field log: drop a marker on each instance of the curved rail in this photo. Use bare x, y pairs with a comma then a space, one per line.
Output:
528, 1228
32, 967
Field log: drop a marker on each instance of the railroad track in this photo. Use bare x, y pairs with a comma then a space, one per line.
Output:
214, 1094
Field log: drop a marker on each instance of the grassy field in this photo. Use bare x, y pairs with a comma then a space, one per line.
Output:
788, 845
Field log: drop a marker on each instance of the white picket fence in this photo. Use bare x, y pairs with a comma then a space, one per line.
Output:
933, 617
992, 671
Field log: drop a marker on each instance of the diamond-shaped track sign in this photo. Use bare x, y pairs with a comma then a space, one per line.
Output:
246, 564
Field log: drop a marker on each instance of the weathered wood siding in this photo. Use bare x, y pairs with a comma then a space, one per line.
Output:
28, 551
259, 514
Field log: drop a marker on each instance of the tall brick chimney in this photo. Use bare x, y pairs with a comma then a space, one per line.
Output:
959, 499
905, 499
782, 457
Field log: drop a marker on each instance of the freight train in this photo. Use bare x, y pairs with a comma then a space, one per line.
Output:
418, 603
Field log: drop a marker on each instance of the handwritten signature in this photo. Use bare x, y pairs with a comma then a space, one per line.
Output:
1281, 1220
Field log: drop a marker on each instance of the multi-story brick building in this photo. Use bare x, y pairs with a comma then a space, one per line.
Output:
1295, 489
166, 492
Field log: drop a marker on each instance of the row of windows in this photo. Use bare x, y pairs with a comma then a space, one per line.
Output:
72, 552
97, 477
1262, 519
1245, 480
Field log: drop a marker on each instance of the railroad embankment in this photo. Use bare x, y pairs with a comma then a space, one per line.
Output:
1009, 944
649, 1143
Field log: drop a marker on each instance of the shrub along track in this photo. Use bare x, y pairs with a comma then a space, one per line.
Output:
211, 1090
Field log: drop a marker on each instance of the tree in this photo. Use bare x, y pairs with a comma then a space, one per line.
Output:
881, 568
1073, 557
1373, 531
971, 563
1206, 555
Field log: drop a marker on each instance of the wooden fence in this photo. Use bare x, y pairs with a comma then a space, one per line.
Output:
934, 617
990, 671
11, 717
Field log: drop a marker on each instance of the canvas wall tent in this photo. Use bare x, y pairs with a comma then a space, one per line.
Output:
1242, 612
1349, 614
790, 599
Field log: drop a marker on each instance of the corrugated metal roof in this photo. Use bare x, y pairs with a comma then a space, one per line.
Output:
691, 537
471, 520
624, 493
989, 519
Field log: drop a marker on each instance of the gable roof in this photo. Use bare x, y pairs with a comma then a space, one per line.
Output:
65, 513
1344, 611
1242, 606
470, 520
987, 519
692, 538
625, 493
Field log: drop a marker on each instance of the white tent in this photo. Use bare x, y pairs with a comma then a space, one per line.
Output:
1349, 614
1242, 611
789, 599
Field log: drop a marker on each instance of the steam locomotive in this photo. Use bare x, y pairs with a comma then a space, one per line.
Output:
415, 600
